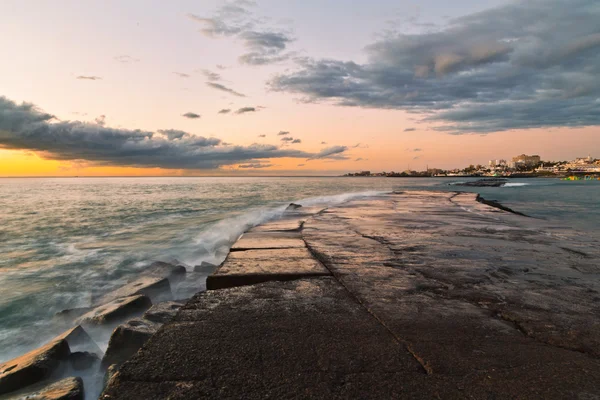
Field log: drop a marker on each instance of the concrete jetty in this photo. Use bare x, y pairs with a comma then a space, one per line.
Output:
405, 295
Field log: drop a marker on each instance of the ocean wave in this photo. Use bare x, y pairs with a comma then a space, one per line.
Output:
213, 243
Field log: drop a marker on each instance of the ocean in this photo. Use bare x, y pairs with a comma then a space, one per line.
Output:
63, 240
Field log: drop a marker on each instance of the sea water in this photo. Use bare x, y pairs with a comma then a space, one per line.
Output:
63, 240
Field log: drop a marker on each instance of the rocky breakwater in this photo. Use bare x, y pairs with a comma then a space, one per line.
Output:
72, 364
407, 295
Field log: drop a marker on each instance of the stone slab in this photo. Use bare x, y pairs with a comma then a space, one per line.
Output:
157, 288
34, 366
116, 310
256, 266
268, 240
307, 337
64, 389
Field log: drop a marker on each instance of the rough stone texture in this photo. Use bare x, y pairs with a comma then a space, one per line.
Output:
34, 366
256, 266
127, 339
433, 295
116, 310
165, 270
163, 312
79, 341
64, 389
155, 287
205, 267
268, 240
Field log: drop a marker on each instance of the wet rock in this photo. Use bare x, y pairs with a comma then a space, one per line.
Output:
71, 313
33, 367
79, 341
156, 288
205, 267
491, 182
166, 270
292, 207
117, 310
64, 389
127, 339
83, 360
163, 312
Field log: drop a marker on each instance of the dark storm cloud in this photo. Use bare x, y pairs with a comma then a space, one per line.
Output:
191, 115
283, 133
89, 77
234, 19
24, 127
526, 64
245, 110
224, 88
225, 111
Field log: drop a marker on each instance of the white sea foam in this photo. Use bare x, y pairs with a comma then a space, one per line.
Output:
515, 184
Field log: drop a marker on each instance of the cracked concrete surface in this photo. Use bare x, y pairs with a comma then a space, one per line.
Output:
416, 295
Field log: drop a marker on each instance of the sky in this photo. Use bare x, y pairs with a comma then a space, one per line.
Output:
296, 87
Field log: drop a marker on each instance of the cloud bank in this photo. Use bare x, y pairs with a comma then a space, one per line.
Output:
528, 64
25, 127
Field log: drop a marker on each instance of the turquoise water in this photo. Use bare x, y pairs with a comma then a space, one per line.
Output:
62, 240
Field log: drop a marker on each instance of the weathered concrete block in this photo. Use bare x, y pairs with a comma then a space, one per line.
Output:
79, 341
117, 310
156, 288
64, 389
127, 339
205, 267
255, 266
34, 366
163, 312
268, 240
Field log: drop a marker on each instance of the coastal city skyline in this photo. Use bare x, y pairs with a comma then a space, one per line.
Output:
247, 87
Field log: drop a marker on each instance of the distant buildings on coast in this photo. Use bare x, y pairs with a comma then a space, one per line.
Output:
521, 165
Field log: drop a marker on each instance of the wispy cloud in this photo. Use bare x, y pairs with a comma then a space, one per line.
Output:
224, 88
125, 59
262, 136
409, 130
334, 152
211, 76
181, 74
255, 166
225, 111
283, 133
265, 45
89, 77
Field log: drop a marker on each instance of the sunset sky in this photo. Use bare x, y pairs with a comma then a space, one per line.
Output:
302, 87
